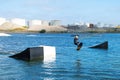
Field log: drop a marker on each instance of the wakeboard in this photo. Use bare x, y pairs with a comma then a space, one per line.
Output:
79, 46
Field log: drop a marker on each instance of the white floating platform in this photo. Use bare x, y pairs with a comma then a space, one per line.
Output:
49, 52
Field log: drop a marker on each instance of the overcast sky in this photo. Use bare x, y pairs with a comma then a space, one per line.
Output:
69, 11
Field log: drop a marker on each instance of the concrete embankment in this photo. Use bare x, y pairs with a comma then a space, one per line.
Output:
10, 27
48, 28
94, 30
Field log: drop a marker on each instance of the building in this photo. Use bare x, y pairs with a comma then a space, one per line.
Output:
89, 25
55, 23
2, 20
35, 23
45, 23
38, 23
18, 21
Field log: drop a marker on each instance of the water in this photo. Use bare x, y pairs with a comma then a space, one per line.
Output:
86, 64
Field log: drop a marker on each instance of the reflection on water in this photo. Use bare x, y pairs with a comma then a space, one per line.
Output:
86, 64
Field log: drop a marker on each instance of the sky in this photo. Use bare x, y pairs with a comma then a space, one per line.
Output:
68, 11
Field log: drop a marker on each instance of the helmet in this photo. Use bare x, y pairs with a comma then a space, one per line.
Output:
76, 36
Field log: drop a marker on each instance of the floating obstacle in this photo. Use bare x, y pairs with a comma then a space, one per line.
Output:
45, 53
103, 45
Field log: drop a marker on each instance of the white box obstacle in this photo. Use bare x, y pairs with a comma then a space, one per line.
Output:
45, 53
49, 53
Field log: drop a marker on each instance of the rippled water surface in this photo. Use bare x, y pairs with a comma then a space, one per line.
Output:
86, 64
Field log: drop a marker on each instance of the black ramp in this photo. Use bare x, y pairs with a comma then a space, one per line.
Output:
30, 54
24, 55
103, 45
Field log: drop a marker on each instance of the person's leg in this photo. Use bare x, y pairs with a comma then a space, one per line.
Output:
79, 45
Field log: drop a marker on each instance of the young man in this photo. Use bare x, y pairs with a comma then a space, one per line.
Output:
79, 45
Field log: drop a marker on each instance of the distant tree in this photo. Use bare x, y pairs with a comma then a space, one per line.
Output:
42, 31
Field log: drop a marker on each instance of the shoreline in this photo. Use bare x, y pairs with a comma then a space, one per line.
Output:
26, 31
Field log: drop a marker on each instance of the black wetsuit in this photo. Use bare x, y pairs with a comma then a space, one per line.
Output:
77, 43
